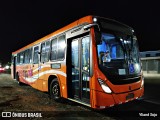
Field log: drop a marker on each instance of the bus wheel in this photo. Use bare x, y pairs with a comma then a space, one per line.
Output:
55, 90
17, 79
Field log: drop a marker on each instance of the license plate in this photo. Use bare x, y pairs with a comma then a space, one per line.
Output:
129, 96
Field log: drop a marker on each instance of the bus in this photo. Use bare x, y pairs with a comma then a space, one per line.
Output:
72, 63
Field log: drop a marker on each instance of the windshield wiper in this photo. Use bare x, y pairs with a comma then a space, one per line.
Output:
121, 41
129, 48
126, 48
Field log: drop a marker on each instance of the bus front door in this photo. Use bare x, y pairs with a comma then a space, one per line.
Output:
80, 56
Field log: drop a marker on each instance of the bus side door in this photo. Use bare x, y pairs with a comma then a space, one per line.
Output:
80, 56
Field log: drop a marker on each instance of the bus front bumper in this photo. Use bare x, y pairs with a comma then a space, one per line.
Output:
104, 100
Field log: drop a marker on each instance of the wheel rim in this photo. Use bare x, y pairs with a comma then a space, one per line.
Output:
55, 89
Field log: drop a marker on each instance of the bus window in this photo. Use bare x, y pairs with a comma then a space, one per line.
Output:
21, 58
75, 53
47, 50
54, 49
42, 52
18, 58
35, 55
85, 54
61, 47
26, 57
30, 55
58, 48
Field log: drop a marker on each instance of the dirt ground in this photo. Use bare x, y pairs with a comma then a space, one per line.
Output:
28, 103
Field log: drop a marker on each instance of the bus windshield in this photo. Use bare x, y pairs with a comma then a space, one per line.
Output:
118, 55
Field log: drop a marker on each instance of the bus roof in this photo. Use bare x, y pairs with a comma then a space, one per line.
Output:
87, 19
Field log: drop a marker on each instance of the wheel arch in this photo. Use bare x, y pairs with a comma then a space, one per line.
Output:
50, 79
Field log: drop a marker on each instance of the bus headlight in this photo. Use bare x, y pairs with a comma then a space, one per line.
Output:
142, 83
104, 86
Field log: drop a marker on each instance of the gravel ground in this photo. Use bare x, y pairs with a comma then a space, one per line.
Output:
24, 101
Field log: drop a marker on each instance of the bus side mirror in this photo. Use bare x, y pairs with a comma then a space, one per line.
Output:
98, 38
86, 27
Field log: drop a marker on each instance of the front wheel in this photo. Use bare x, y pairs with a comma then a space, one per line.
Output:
55, 90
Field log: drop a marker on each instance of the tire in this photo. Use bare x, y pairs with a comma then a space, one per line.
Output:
55, 90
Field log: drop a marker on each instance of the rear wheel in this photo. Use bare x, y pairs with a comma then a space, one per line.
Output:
55, 90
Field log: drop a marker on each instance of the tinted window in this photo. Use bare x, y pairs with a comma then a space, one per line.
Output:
42, 52
18, 58
21, 58
85, 54
35, 55
58, 48
54, 49
26, 56
30, 55
75, 53
47, 50
61, 47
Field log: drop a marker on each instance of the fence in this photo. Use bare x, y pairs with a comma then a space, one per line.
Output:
151, 65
